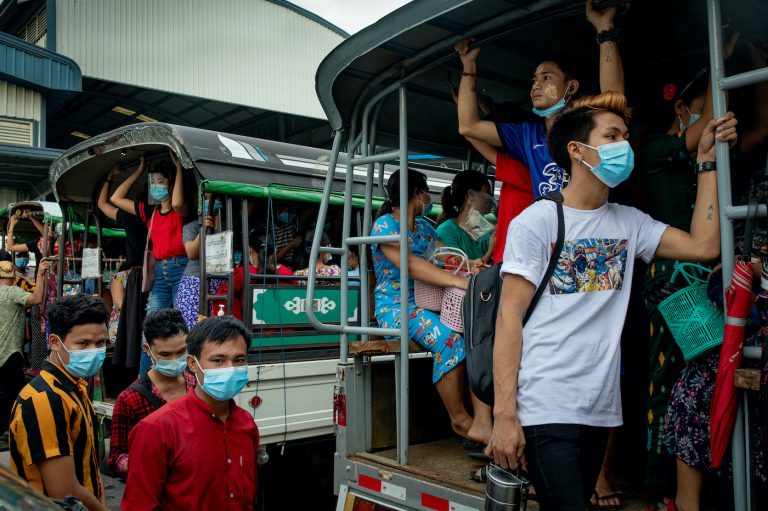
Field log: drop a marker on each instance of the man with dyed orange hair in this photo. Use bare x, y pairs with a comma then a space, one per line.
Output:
557, 383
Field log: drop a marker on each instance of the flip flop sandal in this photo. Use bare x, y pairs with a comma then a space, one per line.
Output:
471, 445
479, 455
479, 476
598, 498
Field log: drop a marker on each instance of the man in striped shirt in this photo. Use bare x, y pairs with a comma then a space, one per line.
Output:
52, 432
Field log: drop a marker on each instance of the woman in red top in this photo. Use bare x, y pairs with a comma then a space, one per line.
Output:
165, 223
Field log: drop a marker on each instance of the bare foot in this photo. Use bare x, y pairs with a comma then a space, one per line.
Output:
480, 431
462, 425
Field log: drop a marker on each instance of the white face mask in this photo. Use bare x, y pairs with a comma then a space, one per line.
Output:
483, 202
475, 224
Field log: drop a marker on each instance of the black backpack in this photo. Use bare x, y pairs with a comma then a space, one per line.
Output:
481, 305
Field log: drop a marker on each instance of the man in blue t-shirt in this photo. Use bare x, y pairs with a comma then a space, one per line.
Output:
554, 84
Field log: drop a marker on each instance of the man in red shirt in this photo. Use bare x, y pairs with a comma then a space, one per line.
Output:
199, 451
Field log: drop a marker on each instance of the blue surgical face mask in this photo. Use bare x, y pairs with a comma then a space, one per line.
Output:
285, 217
21, 262
549, 112
159, 192
169, 368
224, 383
216, 206
238, 256
556, 108
616, 162
426, 207
692, 118
84, 363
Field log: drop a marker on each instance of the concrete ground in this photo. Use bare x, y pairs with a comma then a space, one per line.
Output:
634, 499
113, 488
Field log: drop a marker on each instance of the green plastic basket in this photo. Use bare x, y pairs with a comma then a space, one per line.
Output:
695, 323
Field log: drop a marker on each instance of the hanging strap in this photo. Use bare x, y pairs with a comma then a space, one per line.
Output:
149, 232
144, 388
557, 198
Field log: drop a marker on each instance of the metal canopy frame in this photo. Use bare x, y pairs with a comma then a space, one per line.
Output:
361, 151
361, 148
432, 19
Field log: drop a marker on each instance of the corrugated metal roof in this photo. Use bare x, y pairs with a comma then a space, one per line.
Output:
37, 68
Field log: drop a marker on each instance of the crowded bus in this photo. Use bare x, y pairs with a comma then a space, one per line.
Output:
245, 212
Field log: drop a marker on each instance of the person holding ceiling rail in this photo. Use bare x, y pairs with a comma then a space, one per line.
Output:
556, 381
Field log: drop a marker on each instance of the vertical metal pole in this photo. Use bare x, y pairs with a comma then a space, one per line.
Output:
402, 398
86, 228
202, 308
100, 282
725, 198
247, 290
747, 448
62, 240
368, 148
719, 107
382, 167
230, 276
314, 252
738, 446
345, 228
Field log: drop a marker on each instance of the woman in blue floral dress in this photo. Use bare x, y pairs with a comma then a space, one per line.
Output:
424, 326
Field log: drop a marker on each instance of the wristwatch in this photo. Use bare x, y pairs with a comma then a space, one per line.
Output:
608, 35
705, 166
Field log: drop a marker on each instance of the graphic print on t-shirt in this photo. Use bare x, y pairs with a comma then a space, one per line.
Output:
590, 264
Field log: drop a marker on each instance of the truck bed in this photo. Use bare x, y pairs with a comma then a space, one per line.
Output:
445, 462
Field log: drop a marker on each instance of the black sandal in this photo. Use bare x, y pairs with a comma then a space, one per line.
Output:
598, 498
480, 475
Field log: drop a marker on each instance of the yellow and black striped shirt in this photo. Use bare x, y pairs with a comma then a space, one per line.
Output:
52, 417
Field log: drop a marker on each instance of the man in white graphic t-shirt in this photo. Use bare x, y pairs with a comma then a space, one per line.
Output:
556, 381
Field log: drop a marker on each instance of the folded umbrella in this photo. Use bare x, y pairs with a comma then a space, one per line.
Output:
739, 300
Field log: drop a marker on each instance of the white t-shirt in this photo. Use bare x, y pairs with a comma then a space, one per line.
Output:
569, 372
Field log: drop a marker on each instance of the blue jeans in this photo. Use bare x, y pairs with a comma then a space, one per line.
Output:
164, 290
564, 461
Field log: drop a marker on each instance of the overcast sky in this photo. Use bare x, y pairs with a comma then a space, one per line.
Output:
351, 15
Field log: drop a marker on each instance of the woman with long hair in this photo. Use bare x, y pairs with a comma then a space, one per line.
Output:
424, 326
462, 224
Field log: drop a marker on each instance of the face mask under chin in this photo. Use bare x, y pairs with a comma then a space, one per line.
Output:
475, 224
692, 118
557, 107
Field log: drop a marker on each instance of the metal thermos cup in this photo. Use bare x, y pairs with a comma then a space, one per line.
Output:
505, 491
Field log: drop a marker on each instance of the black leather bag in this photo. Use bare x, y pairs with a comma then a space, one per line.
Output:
481, 305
